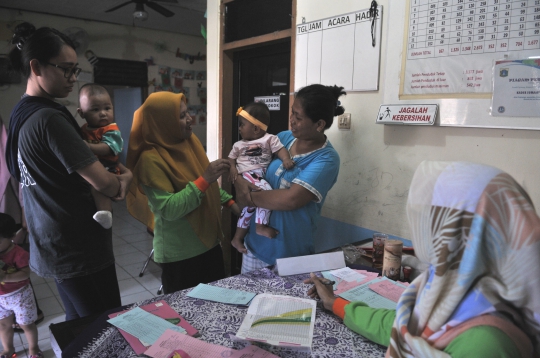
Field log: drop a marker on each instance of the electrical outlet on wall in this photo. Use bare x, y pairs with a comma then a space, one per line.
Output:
344, 121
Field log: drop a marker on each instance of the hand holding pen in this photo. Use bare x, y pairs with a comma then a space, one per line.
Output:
322, 290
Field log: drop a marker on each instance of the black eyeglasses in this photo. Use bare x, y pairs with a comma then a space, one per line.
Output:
68, 71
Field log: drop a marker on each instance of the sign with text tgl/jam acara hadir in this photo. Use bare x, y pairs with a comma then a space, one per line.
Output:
417, 114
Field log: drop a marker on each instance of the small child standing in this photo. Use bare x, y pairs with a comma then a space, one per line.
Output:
250, 157
103, 138
16, 294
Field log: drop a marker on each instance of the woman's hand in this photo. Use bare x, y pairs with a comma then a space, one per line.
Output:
243, 189
322, 291
216, 169
124, 179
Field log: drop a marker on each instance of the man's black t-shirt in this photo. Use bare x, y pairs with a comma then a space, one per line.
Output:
65, 240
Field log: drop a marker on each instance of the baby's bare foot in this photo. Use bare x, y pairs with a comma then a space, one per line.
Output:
265, 230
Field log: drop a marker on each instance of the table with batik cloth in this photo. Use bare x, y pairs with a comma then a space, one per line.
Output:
216, 322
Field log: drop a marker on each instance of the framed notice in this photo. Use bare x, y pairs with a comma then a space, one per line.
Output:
516, 88
341, 50
451, 45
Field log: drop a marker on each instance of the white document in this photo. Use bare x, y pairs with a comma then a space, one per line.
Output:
279, 321
348, 274
310, 263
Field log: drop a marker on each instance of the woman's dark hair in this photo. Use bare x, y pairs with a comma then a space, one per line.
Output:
321, 102
41, 44
259, 110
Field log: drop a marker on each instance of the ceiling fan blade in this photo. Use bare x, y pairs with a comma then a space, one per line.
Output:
119, 6
163, 11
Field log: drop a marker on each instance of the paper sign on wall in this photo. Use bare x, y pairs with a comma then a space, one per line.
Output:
271, 101
516, 88
418, 114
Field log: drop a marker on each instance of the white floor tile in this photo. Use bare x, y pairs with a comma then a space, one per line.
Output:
150, 280
126, 231
138, 237
45, 346
137, 297
144, 246
130, 286
121, 274
51, 306
42, 291
36, 280
117, 240
54, 289
134, 269
131, 258
124, 249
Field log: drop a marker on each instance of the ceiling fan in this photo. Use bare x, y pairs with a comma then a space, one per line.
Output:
140, 13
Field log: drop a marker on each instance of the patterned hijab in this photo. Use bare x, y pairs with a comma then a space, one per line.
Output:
161, 160
480, 234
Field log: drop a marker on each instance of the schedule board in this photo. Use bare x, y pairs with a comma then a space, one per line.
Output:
451, 45
338, 51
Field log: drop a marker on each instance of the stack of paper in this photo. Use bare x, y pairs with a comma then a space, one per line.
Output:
365, 286
132, 324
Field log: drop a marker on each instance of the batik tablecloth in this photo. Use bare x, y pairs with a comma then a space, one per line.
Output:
217, 322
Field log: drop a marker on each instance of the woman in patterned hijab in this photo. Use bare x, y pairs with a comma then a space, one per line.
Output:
479, 232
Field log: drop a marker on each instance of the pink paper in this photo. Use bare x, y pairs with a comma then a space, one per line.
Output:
171, 340
387, 289
346, 286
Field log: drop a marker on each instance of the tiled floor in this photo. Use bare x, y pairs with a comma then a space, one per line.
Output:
132, 244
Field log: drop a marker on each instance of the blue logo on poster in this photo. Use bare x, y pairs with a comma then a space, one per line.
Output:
503, 72
501, 109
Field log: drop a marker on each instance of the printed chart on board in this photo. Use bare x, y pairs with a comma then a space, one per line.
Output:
343, 50
451, 45
280, 321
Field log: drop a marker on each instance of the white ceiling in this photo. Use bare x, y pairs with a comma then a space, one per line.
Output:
189, 14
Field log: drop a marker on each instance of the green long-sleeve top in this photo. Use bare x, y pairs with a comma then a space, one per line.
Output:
376, 325
174, 239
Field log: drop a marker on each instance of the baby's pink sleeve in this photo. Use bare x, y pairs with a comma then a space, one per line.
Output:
275, 143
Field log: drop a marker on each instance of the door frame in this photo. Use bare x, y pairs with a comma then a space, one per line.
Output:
225, 96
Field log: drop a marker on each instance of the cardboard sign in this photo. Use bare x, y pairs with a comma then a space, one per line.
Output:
271, 101
310, 263
417, 114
